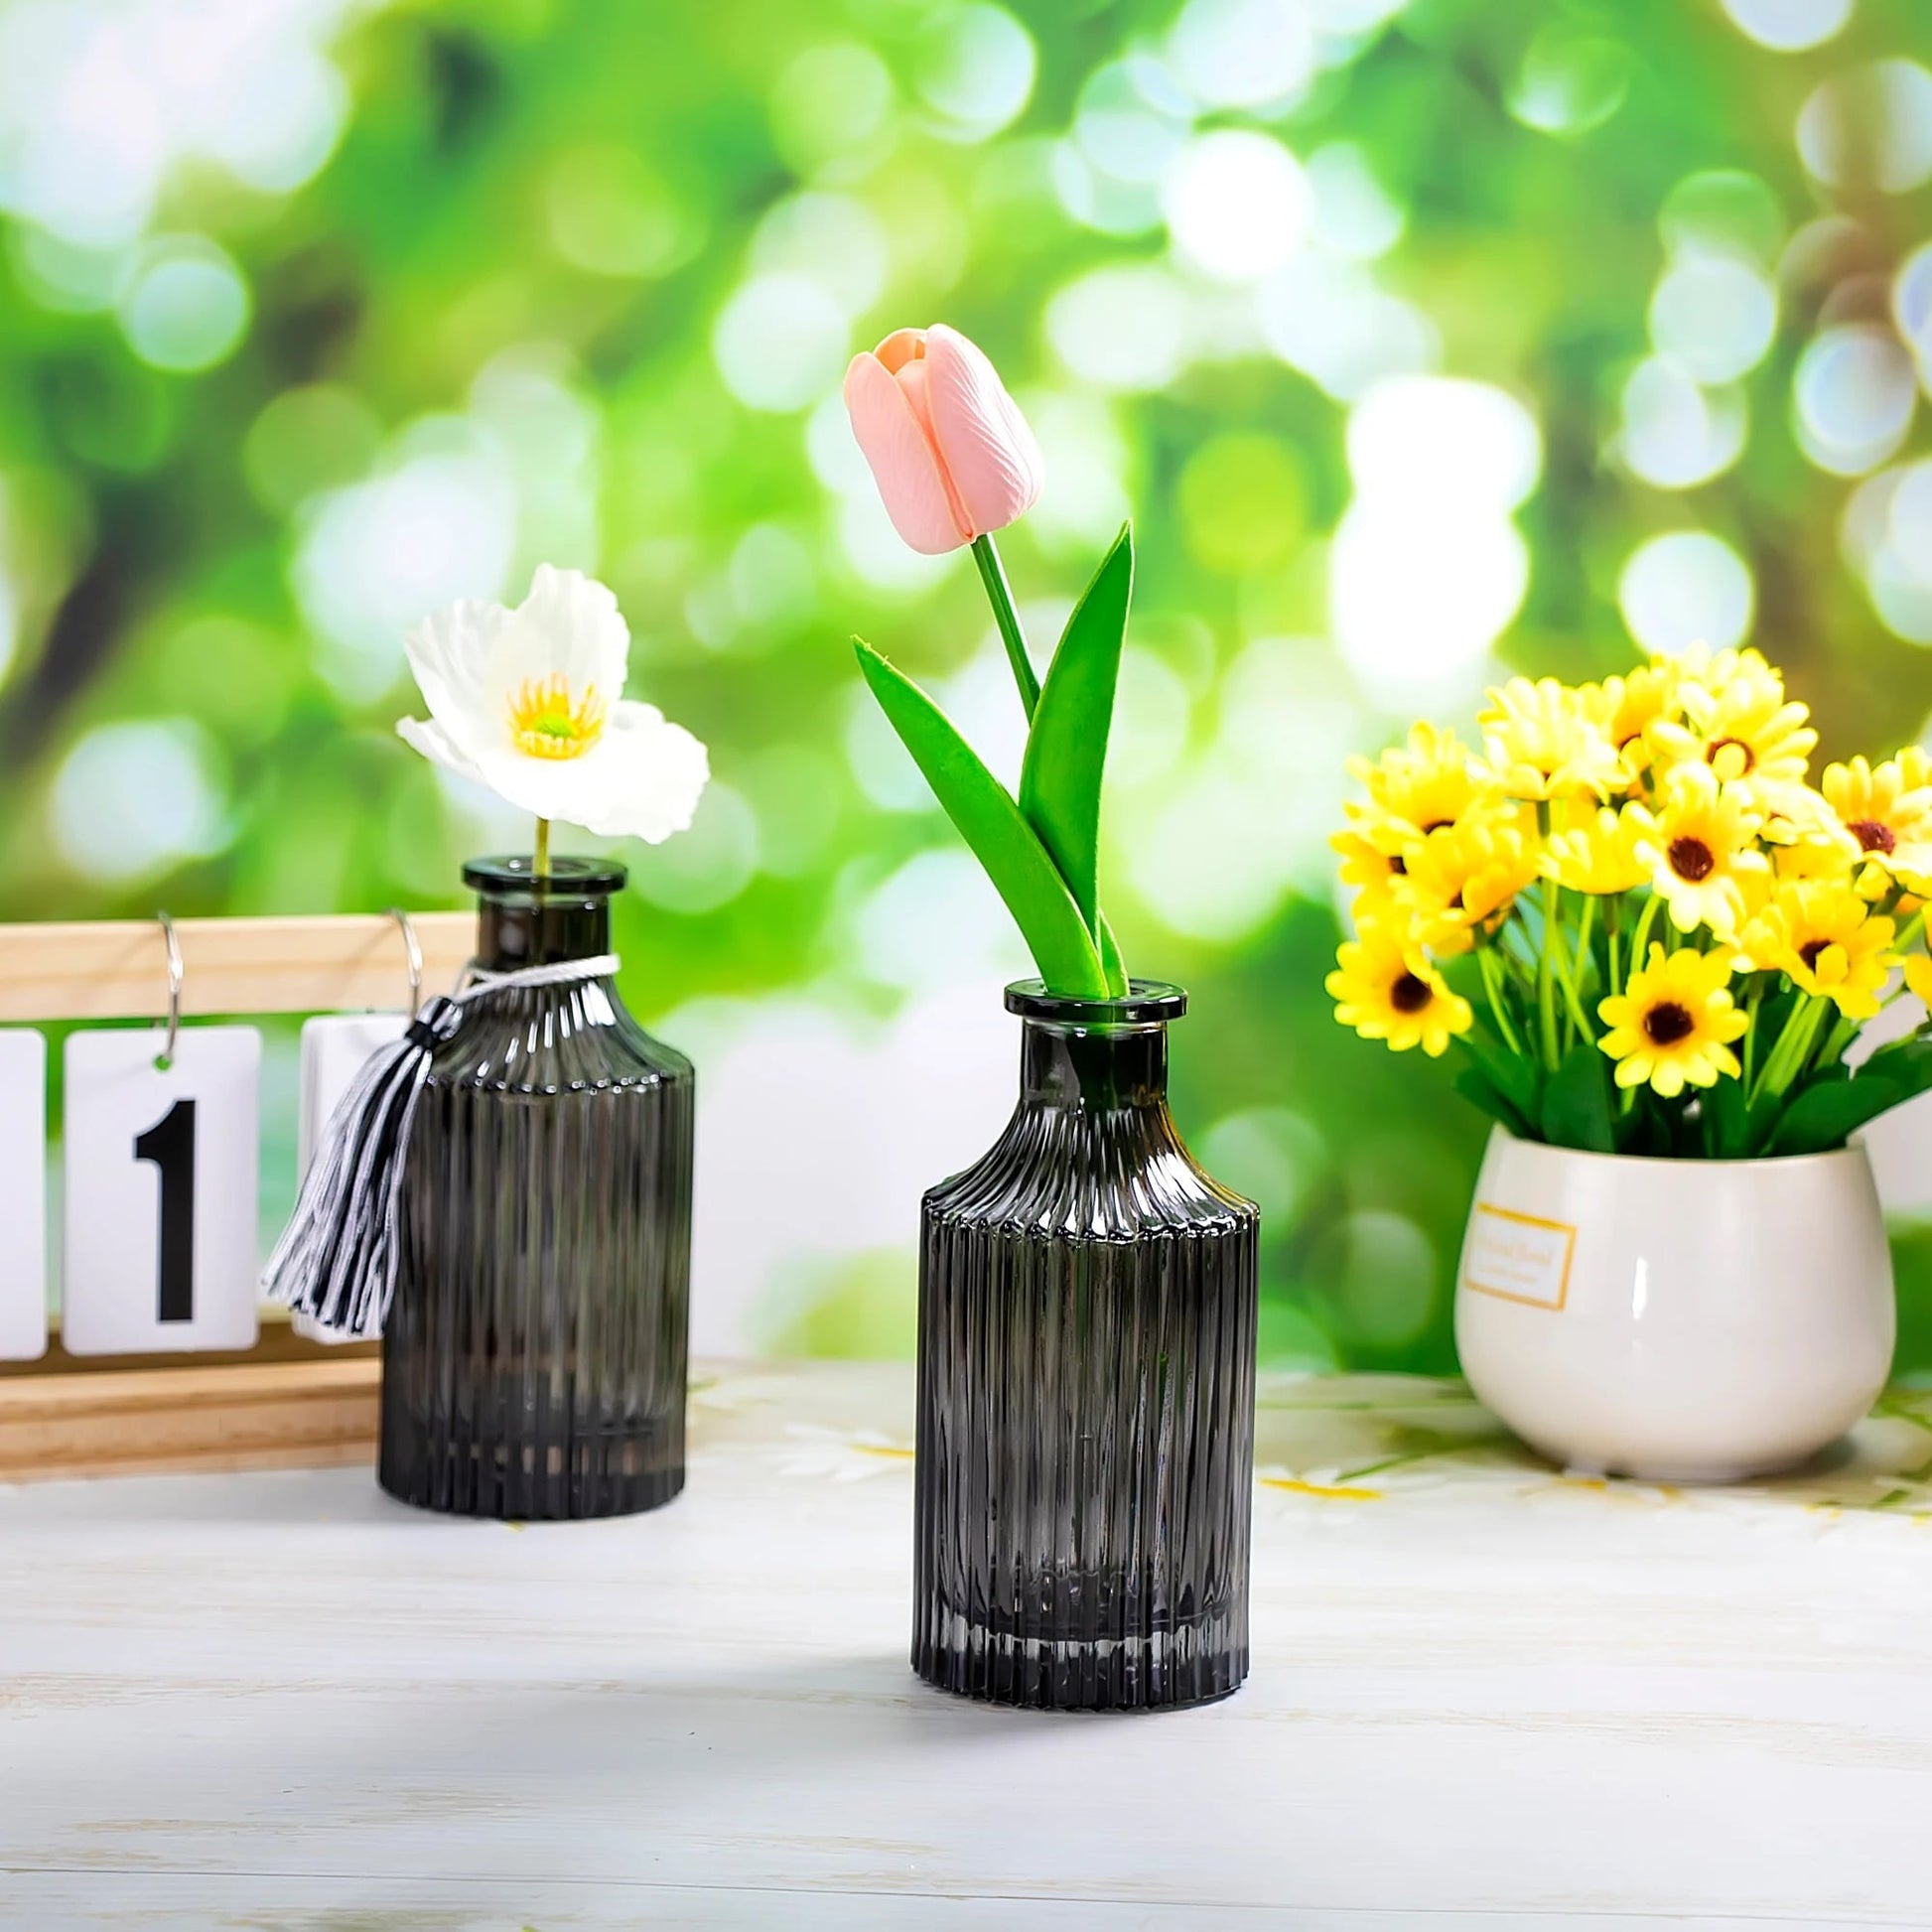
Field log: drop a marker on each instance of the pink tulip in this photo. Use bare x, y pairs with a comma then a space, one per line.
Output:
951, 453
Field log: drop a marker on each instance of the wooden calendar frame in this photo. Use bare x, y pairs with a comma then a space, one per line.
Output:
288, 1402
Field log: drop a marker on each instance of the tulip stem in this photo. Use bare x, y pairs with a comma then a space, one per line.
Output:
1000, 595
540, 865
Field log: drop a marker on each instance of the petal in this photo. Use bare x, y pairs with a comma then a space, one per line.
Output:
449, 654
643, 781
903, 462
902, 346
569, 627
429, 738
985, 443
660, 771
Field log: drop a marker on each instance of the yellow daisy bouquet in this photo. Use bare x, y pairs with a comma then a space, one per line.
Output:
1638, 920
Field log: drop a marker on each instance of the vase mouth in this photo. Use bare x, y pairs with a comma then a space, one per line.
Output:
1854, 1149
1146, 1003
515, 876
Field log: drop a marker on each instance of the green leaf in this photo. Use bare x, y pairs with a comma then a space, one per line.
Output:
1821, 1115
1517, 1079
1906, 1062
1577, 1101
1111, 962
1477, 1088
1066, 747
1730, 1125
991, 825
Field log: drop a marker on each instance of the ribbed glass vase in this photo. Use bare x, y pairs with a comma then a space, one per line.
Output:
534, 1356
1086, 1360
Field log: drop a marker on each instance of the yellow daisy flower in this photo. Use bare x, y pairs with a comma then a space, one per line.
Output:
1369, 869
1387, 990
1891, 819
1639, 705
1601, 854
1823, 935
1736, 720
1545, 741
1460, 878
1428, 782
1807, 840
1700, 847
1671, 1027
1918, 977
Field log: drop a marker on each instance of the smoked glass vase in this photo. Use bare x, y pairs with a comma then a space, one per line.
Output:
1086, 1355
535, 1355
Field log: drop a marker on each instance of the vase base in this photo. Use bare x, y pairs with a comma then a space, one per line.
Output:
471, 1486
1674, 1475
1166, 1671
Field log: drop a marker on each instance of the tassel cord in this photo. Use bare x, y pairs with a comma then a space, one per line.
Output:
336, 1259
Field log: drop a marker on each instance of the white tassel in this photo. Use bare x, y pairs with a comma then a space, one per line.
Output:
336, 1260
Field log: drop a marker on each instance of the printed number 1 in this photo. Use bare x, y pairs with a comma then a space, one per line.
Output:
170, 1145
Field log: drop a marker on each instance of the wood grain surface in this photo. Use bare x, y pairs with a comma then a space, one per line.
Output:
1484, 1694
117, 969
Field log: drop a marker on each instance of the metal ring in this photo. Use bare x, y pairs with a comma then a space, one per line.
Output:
176, 975
415, 949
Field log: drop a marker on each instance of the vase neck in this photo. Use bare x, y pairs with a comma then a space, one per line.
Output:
523, 920
1093, 1069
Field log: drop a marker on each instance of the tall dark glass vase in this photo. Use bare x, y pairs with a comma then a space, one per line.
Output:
534, 1358
1086, 1387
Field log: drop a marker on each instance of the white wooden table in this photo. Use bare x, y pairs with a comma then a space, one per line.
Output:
1482, 1694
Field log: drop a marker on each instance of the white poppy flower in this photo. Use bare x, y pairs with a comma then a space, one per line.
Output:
529, 702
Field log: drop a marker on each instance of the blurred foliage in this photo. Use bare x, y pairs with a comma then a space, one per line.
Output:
313, 317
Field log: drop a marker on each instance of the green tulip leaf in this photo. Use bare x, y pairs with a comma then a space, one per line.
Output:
1111, 962
1067, 746
991, 824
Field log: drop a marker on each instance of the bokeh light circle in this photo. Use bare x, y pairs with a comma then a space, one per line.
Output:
1852, 397
975, 68
1724, 212
1789, 26
1444, 443
1243, 52
1714, 318
1676, 435
186, 306
781, 342
1415, 599
133, 799
1125, 327
1872, 124
1911, 307
1237, 205
831, 100
1687, 587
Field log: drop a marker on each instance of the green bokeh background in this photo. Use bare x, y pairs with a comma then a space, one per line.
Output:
577, 282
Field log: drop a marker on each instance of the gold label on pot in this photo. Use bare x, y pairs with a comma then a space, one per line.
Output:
1517, 1257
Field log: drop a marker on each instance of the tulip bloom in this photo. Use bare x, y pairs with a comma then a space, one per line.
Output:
953, 458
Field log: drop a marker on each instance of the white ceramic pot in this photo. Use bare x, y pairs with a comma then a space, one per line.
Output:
1683, 1321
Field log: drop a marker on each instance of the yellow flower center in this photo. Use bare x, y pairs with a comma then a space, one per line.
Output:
1667, 1023
548, 721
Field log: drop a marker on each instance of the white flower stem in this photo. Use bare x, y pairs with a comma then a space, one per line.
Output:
540, 865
